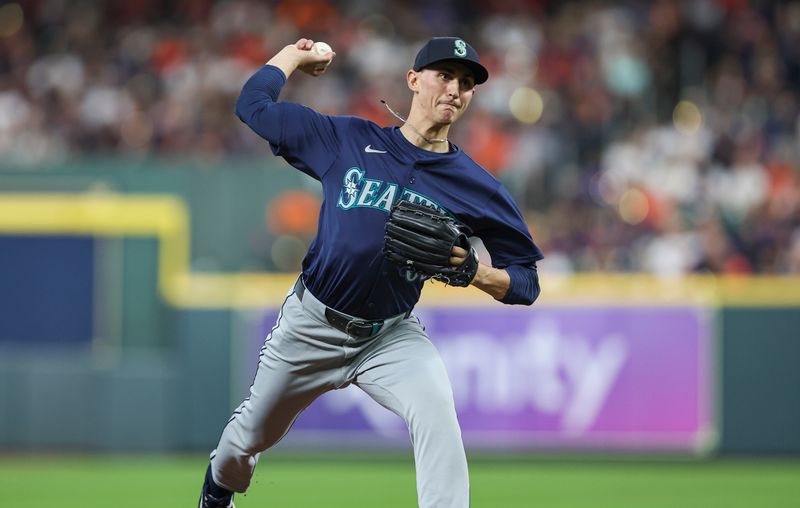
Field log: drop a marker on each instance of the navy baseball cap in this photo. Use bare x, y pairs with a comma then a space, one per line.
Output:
453, 49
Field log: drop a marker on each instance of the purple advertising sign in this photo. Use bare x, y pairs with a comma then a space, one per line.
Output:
552, 377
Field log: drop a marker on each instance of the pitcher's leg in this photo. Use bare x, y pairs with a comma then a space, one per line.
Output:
407, 376
293, 370
258, 424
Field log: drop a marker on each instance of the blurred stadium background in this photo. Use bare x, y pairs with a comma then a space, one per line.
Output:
147, 238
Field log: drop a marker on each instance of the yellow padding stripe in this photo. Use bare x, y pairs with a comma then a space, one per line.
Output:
166, 217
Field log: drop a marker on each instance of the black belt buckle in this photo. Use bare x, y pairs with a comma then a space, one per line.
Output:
362, 329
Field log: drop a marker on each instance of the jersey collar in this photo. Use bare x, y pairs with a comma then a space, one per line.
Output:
409, 152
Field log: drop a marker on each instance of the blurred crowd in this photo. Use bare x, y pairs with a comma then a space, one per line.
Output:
636, 136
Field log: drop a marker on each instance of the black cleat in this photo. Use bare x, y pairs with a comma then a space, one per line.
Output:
209, 501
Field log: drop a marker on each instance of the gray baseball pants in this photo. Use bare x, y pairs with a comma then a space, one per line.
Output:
399, 368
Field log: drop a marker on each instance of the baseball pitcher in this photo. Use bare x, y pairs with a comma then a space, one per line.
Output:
400, 204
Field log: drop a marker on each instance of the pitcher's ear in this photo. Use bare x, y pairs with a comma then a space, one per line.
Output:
412, 79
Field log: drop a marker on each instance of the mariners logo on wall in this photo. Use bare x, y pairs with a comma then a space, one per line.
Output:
460, 48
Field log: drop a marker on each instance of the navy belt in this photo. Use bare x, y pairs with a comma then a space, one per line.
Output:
359, 328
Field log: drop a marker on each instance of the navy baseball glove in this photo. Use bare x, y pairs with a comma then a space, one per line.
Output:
420, 239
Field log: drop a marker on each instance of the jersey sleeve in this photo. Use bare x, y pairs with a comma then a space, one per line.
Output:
524, 286
505, 233
308, 140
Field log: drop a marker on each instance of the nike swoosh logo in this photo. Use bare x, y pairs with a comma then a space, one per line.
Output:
369, 149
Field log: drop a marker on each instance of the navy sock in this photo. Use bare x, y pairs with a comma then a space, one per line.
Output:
214, 489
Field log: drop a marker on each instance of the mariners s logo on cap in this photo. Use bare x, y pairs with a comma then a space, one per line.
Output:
461, 48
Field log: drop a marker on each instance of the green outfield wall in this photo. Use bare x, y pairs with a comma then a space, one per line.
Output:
122, 288
760, 380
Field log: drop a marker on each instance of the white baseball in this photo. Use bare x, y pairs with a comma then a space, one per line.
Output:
321, 48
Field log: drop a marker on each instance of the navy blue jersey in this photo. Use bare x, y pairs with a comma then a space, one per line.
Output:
364, 169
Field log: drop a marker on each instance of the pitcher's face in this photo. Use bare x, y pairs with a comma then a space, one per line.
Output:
444, 90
